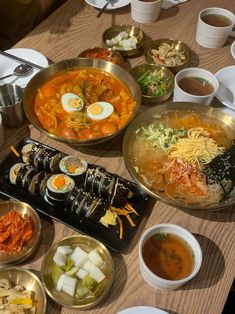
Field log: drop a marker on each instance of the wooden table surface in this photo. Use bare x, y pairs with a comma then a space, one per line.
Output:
71, 29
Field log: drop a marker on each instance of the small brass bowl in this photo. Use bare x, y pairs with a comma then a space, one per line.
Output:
21, 276
30, 246
112, 55
86, 243
158, 71
175, 45
113, 31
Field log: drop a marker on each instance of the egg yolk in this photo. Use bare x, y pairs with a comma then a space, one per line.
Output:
75, 102
96, 109
59, 182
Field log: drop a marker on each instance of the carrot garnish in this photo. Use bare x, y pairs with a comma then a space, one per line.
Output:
15, 151
120, 227
130, 220
131, 209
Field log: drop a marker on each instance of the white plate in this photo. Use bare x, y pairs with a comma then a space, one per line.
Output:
142, 310
232, 49
99, 4
226, 91
8, 65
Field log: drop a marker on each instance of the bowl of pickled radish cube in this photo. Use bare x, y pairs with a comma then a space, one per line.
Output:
77, 272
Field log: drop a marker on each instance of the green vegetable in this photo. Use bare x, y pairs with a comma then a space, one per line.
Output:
90, 283
161, 136
153, 84
81, 291
56, 272
160, 236
69, 264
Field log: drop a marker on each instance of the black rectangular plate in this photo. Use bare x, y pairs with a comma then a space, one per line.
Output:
109, 236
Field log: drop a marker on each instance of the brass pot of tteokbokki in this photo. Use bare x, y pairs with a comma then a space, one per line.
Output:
82, 101
183, 154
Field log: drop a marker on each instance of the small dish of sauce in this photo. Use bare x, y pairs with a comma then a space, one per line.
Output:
168, 256
217, 20
196, 86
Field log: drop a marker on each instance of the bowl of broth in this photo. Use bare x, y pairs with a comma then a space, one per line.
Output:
169, 256
195, 85
82, 101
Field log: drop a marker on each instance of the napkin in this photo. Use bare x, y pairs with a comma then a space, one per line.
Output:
166, 4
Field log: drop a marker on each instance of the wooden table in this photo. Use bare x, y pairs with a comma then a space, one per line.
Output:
73, 28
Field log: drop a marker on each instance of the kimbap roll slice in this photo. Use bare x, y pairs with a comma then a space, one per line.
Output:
28, 152
13, 173
48, 159
59, 186
98, 211
52, 201
40, 157
71, 197
42, 185
120, 193
90, 174
29, 177
78, 203
88, 205
73, 166
98, 176
106, 187
21, 175
55, 161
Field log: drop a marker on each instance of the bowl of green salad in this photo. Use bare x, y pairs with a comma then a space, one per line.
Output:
156, 82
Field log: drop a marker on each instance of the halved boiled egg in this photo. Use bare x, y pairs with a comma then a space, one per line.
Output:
71, 102
99, 110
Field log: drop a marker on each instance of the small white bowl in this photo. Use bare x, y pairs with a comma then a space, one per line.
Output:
156, 281
232, 49
180, 95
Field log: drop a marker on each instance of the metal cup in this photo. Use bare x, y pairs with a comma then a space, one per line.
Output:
11, 105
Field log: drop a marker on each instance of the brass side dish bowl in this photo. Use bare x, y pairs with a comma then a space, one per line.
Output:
106, 54
132, 31
75, 64
30, 246
181, 54
160, 115
21, 276
160, 77
86, 243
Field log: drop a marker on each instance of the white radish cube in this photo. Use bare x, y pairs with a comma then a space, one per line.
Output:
82, 273
79, 257
97, 274
95, 258
89, 267
60, 283
69, 281
60, 259
65, 249
69, 290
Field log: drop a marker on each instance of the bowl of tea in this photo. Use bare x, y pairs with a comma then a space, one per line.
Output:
169, 256
195, 85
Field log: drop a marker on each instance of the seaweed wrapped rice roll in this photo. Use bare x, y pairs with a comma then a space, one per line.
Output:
59, 186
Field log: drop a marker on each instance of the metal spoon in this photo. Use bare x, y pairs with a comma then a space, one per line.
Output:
20, 70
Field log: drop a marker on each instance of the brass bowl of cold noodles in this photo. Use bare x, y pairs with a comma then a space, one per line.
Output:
126, 39
82, 101
172, 54
156, 82
183, 154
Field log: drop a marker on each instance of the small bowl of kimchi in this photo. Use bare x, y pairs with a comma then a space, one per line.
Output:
105, 54
20, 230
